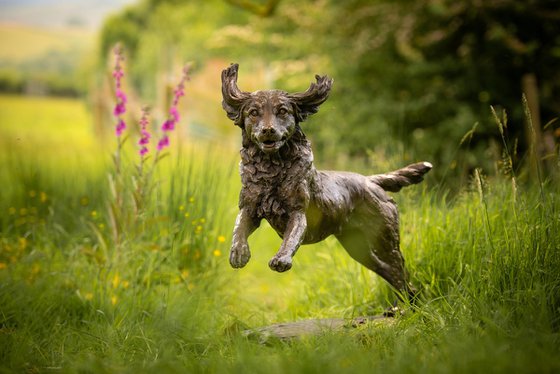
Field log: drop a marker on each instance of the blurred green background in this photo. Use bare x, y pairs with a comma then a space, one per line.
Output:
107, 269
411, 80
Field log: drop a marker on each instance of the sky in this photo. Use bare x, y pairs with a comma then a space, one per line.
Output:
59, 13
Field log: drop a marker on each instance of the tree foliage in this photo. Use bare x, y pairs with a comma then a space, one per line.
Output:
158, 34
426, 72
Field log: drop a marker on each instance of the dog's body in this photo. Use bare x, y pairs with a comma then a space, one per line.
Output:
305, 205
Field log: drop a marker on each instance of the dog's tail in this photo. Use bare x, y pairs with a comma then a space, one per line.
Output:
400, 178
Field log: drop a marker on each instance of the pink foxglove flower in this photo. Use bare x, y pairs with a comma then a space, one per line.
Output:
118, 73
168, 125
120, 108
180, 90
121, 126
163, 143
145, 138
174, 114
145, 134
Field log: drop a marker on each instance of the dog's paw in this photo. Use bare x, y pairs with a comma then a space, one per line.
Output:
281, 264
239, 256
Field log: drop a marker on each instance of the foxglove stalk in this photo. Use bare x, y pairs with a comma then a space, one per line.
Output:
120, 107
169, 124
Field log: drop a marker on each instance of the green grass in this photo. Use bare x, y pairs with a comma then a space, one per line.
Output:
163, 298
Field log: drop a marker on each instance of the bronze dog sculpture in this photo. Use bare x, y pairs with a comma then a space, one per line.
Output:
302, 204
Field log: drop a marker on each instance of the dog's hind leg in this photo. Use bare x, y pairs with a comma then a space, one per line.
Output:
381, 256
371, 237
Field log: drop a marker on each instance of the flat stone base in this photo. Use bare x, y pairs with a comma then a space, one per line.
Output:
310, 327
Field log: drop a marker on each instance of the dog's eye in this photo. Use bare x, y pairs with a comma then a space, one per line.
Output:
282, 111
253, 112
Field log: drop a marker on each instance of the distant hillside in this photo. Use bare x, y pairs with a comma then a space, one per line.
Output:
47, 46
57, 13
42, 60
20, 42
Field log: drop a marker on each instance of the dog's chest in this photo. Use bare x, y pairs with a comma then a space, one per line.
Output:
274, 186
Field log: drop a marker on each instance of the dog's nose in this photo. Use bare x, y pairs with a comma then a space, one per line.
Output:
269, 130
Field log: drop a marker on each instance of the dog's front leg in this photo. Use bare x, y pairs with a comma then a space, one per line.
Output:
239, 254
293, 236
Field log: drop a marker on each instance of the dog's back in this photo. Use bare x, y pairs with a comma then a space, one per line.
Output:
340, 196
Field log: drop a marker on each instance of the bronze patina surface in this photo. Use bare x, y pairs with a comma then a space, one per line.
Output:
281, 185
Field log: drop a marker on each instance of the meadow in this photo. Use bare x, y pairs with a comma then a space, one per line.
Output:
150, 290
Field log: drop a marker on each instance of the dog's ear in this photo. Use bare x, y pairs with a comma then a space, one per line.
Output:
233, 97
308, 102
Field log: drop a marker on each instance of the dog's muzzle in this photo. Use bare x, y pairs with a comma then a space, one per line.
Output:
270, 143
270, 146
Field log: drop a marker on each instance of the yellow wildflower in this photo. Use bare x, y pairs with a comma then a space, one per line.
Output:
191, 199
43, 197
93, 213
184, 273
217, 253
125, 284
22, 243
3, 265
181, 208
32, 193
116, 280
88, 296
187, 215
221, 239
114, 299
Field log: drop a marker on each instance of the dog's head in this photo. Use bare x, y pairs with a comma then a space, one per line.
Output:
269, 118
